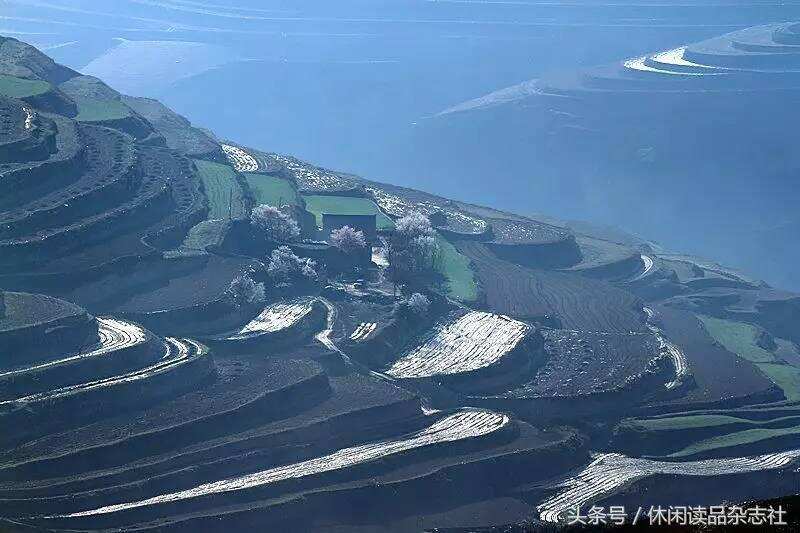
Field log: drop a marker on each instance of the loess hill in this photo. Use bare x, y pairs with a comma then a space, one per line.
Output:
137, 394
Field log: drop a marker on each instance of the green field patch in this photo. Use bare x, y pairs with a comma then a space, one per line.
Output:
678, 423
748, 436
737, 337
225, 196
319, 204
740, 338
97, 110
784, 376
271, 190
14, 87
455, 267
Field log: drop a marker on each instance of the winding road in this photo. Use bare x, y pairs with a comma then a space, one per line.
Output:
675, 353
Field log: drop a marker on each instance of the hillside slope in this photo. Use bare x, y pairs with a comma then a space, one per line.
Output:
144, 387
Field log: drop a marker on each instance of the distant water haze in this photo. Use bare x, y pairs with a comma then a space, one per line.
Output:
356, 85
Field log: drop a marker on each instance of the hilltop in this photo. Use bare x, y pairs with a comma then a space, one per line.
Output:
170, 361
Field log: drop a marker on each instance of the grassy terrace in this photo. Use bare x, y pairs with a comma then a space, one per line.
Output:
455, 267
748, 436
345, 205
20, 87
702, 421
740, 338
96, 110
271, 190
225, 197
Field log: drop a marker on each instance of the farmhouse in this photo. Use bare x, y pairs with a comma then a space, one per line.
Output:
365, 223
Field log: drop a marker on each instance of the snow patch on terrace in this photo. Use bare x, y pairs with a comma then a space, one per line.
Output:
114, 335
241, 160
640, 65
676, 57
608, 472
475, 340
397, 206
177, 352
462, 425
275, 317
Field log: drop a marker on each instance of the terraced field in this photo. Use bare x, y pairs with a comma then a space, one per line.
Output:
742, 339
719, 376
311, 178
164, 404
398, 202
345, 205
609, 472
577, 302
455, 267
274, 318
471, 342
14, 87
240, 159
97, 110
225, 197
271, 190
463, 425
581, 363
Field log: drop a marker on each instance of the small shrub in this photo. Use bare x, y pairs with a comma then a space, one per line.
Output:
418, 304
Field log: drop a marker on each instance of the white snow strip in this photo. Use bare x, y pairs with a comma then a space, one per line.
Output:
676, 57
241, 160
185, 348
475, 340
459, 426
363, 331
639, 64
609, 472
648, 263
675, 353
274, 318
114, 335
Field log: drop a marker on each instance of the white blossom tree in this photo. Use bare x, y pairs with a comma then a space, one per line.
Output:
285, 266
348, 239
412, 245
244, 290
276, 225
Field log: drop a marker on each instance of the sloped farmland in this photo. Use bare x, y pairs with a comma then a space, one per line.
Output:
577, 302
274, 318
610, 472
473, 341
580, 363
